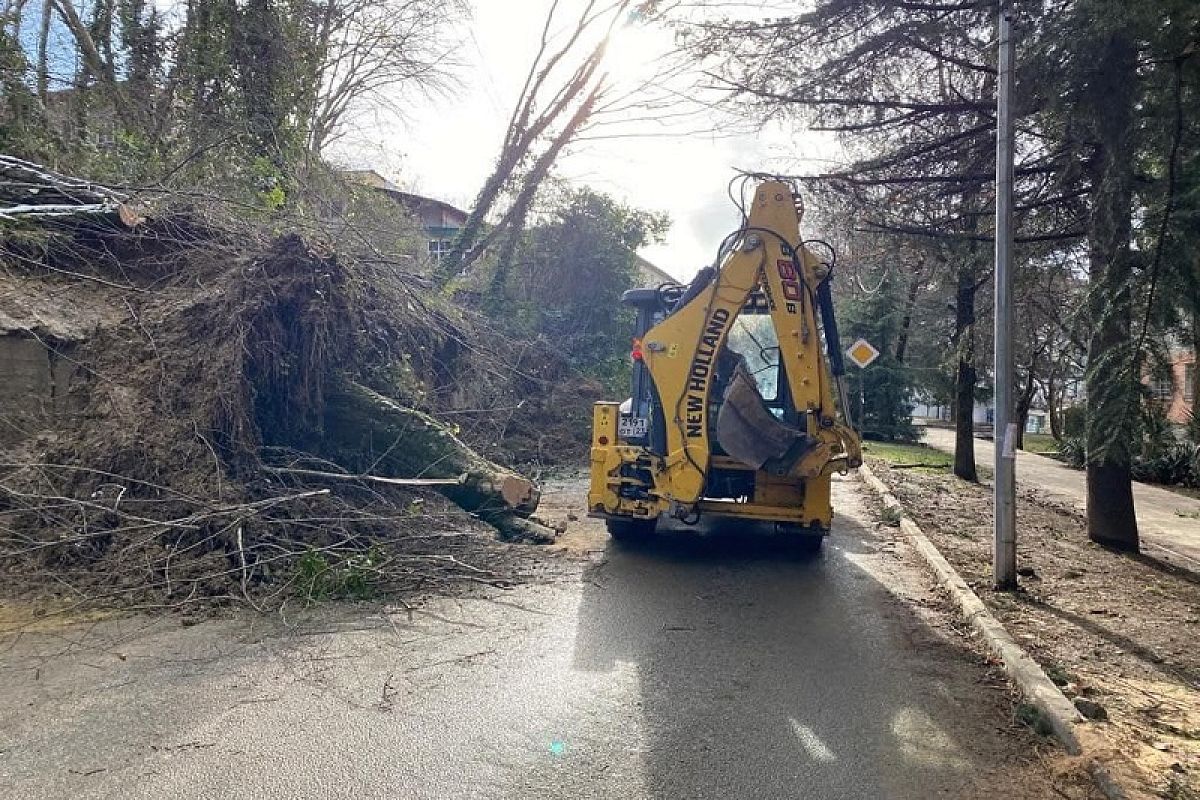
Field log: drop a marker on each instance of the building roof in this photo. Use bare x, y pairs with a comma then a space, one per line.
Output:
650, 274
416, 202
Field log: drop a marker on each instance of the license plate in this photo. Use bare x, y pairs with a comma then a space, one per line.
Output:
631, 427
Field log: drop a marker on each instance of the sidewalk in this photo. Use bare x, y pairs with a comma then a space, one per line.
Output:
1169, 523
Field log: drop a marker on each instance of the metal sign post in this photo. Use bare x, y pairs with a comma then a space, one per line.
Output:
861, 354
1004, 561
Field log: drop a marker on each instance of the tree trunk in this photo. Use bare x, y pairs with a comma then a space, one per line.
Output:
910, 303
1052, 412
516, 214
367, 432
496, 302
1024, 402
102, 71
43, 63
1112, 392
451, 263
1194, 418
965, 377
1110, 515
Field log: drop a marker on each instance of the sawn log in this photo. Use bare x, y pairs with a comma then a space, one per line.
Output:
365, 431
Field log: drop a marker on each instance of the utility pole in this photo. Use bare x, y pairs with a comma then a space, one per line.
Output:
1004, 556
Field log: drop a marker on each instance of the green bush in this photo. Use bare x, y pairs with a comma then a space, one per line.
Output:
319, 576
1174, 465
1074, 418
1177, 464
1073, 450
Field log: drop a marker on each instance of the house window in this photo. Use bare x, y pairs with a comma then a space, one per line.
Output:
1189, 381
439, 248
1162, 389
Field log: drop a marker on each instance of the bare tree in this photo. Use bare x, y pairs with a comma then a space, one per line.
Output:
564, 83
290, 74
370, 53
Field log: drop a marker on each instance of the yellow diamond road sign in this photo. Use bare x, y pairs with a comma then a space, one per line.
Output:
862, 353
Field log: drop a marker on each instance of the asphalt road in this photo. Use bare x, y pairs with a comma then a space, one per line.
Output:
697, 666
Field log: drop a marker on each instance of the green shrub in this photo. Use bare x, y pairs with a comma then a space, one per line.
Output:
319, 576
1176, 464
1073, 450
1074, 418
1171, 465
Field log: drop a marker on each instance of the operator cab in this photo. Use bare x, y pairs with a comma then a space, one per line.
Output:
751, 344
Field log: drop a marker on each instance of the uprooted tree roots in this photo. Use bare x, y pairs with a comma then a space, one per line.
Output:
217, 399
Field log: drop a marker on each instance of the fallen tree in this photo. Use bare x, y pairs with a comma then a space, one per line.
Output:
368, 431
202, 377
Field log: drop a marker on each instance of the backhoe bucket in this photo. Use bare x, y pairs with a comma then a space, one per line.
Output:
747, 431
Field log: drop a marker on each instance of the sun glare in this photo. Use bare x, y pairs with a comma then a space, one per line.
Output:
635, 51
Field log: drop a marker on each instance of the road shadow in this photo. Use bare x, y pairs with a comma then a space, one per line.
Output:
1117, 640
722, 540
767, 672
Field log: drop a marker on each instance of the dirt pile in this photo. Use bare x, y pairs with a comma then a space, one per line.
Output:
174, 377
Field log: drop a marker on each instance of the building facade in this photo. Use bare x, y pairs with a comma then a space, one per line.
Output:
1175, 389
441, 221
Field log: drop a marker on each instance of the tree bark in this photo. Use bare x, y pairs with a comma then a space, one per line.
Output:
514, 218
1053, 414
43, 63
496, 302
451, 263
366, 432
910, 304
95, 63
965, 376
532, 117
1110, 514
1194, 418
1024, 402
1112, 397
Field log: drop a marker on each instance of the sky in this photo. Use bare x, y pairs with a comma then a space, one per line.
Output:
445, 145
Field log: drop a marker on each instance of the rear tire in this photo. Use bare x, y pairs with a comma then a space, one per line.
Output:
808, 544
625, 529
802, 539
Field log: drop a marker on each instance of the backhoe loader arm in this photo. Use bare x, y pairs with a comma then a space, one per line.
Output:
681, 352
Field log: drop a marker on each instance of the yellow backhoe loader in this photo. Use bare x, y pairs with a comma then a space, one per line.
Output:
732, 411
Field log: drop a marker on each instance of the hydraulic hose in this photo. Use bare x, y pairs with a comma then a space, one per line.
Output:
825, 300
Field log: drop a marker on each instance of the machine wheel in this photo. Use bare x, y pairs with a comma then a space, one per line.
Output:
802, 539
625, 529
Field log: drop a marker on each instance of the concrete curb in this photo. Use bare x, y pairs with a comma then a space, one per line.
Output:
1059, 713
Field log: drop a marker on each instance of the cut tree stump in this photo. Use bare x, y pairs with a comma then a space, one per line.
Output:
368, 432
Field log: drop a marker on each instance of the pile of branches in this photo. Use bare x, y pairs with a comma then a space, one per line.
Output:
31, 191
245, 419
